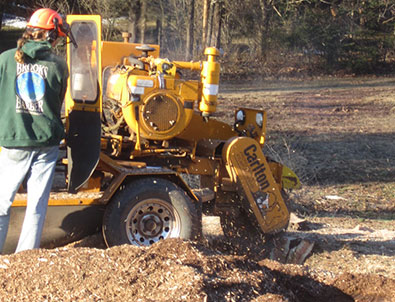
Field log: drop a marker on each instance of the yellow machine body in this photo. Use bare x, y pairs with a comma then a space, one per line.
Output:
155, 106
113, 53
210, 80
156, 103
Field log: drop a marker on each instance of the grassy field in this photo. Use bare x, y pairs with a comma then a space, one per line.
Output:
338, 134
335, 133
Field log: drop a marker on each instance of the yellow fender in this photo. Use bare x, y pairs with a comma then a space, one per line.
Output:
284, 176
289, 180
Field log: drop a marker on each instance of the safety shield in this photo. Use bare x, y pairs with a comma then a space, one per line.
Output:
83, 103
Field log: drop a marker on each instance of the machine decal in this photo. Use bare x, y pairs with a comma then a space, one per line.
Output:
145, 83
257, 167
137, 90
262, 199
210, 89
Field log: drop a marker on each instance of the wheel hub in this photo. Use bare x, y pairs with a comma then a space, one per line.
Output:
151, 225
152, 220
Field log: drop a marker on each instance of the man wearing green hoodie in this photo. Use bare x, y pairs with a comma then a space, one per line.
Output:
33, 82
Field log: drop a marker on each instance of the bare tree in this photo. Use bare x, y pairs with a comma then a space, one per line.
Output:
263, 28
210, 22
220, 13
206, 7
134, 16
143, 20
190, 30
215, 24
160, 22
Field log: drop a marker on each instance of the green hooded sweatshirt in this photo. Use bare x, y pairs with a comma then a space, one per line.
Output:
31, 96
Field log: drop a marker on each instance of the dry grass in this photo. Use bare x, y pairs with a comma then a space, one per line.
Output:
338, 136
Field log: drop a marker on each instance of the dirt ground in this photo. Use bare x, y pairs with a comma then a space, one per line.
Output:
338, 135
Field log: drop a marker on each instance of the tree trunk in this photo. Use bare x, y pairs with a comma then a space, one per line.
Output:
205, 22
158, 32
143, 20
211, 22
134, 16
161, 37
220, 14
264, 26
189, 39
217, 12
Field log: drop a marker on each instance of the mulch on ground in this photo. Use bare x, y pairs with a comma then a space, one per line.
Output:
173, 270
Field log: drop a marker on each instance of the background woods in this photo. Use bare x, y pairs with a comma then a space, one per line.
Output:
264, 36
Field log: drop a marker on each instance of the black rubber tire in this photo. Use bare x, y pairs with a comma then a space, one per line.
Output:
148, 210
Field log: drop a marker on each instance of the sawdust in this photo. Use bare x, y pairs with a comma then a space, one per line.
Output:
173, 270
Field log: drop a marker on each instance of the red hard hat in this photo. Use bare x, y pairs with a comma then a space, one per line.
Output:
44, 18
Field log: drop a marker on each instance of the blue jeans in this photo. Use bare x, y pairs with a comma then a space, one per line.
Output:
37, 164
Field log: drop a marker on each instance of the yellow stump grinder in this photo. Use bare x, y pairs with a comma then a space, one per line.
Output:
137, 133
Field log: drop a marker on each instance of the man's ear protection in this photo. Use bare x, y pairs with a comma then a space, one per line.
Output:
64, 29
53, 34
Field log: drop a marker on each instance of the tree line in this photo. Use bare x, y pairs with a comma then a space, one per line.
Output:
353, 35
